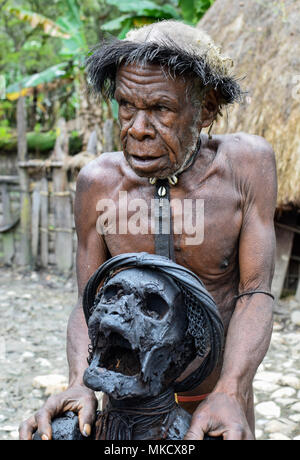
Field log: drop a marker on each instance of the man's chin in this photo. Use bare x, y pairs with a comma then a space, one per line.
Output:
153, 168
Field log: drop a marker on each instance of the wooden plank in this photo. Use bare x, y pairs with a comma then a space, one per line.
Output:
8, 227
62, 204
298, 287
39, 164
284, 240
25, 204
44, 222
92, 144
9, 179
8, 237
288, 227
108, 136
35, 222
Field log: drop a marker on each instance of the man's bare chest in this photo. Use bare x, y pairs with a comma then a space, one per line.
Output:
206, 222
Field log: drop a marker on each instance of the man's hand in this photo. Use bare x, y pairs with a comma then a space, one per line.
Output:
78, 399
220, 415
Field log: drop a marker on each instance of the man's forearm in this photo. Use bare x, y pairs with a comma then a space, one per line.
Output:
77, 345
248, 340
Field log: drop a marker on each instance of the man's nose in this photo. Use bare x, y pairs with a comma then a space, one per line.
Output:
110, 310
141, 126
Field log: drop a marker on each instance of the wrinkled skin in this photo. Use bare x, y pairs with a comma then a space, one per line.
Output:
235, 175
159, 139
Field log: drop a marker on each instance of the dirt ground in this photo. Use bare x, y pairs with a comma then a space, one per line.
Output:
34, 309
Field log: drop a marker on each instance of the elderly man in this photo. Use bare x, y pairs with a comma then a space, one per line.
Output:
170, 82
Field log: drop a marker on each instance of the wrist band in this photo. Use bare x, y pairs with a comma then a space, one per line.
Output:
254, 292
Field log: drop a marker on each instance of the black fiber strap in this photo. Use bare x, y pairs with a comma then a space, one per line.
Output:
254, 292
164, 244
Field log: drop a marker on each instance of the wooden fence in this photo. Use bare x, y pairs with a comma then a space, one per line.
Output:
52, 237
36, 207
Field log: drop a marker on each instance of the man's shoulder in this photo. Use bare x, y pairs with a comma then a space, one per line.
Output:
252, 162
251, 157
106, 169
247, 147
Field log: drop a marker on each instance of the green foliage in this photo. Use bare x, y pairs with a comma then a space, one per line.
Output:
5, 131
48, 75
42, 42
37, 141
193, 10
137, 14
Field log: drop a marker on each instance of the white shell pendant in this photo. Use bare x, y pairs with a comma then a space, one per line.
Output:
162, 191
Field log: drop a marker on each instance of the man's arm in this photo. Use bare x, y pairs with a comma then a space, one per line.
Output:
91, 253
227, 410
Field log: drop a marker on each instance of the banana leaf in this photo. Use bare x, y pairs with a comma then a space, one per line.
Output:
37, 20
145, 8
21, 88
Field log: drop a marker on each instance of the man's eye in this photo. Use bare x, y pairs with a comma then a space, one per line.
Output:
162, 108
126, 104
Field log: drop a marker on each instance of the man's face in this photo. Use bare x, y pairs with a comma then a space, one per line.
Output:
159, 127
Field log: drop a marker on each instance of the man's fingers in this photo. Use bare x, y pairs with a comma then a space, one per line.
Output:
192, 435
27, 428
44, 417
86, 416
238, 435
234, 435
196, 430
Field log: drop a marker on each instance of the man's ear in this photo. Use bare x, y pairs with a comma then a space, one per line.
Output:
210, 108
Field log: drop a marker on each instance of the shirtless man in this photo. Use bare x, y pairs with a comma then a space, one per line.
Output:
161, 118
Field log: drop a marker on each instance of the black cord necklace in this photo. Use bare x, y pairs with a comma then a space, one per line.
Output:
164, 241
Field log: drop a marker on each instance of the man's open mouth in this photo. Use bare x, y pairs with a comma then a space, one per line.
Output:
144, 159
118, 356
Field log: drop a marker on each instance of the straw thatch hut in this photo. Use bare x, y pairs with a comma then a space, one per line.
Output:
263, 39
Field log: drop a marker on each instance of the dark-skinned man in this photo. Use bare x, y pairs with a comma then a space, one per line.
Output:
170, 82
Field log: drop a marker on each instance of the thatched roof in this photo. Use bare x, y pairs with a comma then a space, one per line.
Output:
263, 38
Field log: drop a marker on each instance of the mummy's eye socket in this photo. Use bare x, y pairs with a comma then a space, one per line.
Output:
112, 291
155, 306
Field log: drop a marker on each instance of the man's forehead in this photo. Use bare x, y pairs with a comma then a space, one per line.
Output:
149, 74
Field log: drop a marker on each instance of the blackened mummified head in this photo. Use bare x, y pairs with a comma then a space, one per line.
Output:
138, 333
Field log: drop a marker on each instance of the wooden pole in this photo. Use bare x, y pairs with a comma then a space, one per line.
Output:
35, 221
284, 244
62, 204
44, 222
8, 237
25, 205
298, 287
108, 136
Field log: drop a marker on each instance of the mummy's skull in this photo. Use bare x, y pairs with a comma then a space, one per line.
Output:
138, 335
